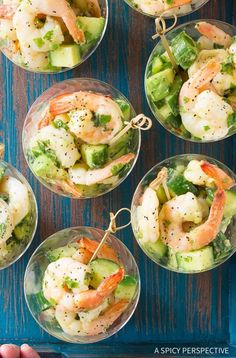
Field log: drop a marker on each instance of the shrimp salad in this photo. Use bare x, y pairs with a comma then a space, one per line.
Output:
49, 35
71, 149
157, 7
17, 216
198, 101
182, 215
80, 297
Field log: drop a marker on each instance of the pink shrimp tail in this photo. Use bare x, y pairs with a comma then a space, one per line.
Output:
177, 3
62, 104
7, 11
222, 180
110, 283
105, 252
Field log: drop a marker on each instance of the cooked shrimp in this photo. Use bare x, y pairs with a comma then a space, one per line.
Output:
196, 175
106, 319
90, 246
91, 299
147, 216
213, 33
67, 186
204, 113
6, 222
54, 281
79, 174
222, 180
82, 107
19, 204
68, 321
7, 11
156, 7
94, 8
185, 208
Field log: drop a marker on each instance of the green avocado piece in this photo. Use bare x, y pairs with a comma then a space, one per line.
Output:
157, 249
125, 108
178, 185
65, 56
196, 260
95, 156
92, 25
24, 229
45, 168
157, 65
173, 97
185, 50
159, 85
126, 288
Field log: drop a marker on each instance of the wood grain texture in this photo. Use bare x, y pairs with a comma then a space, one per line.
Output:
173, 308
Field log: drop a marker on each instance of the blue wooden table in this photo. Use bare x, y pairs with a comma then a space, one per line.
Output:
174, 310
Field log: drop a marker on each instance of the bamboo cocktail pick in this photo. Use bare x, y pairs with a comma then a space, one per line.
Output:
112, 228
161, 30
139, 122
2, 150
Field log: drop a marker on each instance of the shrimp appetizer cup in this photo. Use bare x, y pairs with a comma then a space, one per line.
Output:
154, 8
183, 213
68, 134
197, 102
18, 215
78, 300
51, 36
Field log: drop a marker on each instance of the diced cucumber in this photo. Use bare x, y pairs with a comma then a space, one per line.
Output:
161, 194
125, 108
38, 302
121, 146
158, 85
65, 56
3, 168
185, 50
100, 269
157, 65
64, 251
95, 156
178, 185
173, 97
164, 112
156, 249
172, 260
126, 288
93, 25
174, 121
221, 246
196, 260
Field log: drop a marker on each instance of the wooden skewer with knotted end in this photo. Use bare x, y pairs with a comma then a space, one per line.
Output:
139, 122
161, 30
112, 228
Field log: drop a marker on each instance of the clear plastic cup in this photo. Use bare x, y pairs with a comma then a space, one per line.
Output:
17, 245
37, 109
189, 28
164, 260
39, 262
6, 48
179, 11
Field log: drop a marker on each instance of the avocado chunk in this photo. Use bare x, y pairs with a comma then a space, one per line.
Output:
157, 249
178, 185
24, 229
157, 65
221, 246
196, 260
65, 56
95, 156
93, 28
44, 167
230, 204
125, 108
173, 97
58, 253
172, 261
100, 269
185, 50
126, 288
158, 85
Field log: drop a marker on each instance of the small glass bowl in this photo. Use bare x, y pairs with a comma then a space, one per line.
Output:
69, 86
19, 247
39, 262
182, 160
5, 50
189, 28
188, 9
